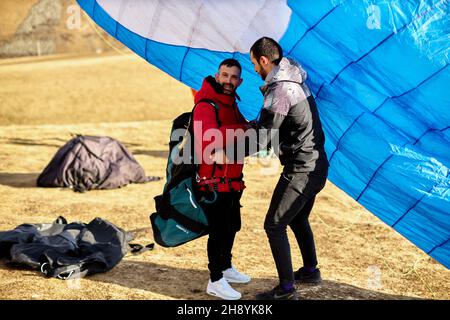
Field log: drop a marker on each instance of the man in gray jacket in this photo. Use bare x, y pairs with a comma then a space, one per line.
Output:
290, 109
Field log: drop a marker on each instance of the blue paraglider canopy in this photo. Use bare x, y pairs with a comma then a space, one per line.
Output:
378, 69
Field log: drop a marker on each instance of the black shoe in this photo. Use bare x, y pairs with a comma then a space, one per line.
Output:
278, 293
307, 277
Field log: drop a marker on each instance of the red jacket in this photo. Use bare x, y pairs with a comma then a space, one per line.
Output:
230, 118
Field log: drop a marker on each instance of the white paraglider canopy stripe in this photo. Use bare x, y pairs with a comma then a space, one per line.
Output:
227, 26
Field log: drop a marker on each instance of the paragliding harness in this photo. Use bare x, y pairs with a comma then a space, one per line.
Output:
68, 250
179, 217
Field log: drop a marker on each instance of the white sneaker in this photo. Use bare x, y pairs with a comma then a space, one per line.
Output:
234, 276
222, 289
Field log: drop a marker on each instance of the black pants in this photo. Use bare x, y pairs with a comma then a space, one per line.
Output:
224, 217
291, 204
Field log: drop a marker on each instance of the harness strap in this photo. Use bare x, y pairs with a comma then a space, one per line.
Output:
221, 184
191, 224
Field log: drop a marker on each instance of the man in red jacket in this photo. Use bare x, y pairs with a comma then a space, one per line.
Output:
219, 179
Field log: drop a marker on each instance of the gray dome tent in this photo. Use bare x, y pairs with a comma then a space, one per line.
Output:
89, 162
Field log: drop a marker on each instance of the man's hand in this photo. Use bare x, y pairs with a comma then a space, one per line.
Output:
253, 123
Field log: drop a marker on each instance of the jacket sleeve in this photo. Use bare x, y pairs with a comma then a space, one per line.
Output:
205, 115
276, 108
204, 118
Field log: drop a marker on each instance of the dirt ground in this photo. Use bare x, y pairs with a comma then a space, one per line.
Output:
43, 101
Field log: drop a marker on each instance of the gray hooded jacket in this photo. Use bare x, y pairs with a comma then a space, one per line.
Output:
290, 107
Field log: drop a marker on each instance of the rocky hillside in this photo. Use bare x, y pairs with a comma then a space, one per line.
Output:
42, 27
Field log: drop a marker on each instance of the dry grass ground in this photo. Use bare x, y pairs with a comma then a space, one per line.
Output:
42, 102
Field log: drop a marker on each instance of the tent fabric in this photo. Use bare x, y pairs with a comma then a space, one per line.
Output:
378, 69
89, 162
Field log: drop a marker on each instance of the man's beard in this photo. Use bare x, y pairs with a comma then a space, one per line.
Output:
228, 88
263, 74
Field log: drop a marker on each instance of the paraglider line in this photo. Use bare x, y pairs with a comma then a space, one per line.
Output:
193, 30
374, 174
387, 159
182, 63
360, 58
379, 107
370, 51
343, 134
98, 32
417, 140
445, 242
320, 89
412, 89
146, 49
312, 27
366, 54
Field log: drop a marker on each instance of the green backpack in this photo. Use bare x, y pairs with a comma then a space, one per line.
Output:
179, 217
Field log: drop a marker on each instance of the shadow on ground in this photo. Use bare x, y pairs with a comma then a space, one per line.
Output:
152, 153
19, 180
190, 284
30, 142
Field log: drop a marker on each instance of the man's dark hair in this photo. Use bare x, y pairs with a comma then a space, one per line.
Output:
268, 48
231, 63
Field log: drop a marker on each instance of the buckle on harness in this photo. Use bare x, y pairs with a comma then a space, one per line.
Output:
45, 269
221, 184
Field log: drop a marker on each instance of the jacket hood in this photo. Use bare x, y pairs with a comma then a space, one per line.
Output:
287, 70
213, 91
